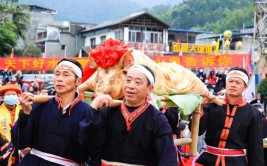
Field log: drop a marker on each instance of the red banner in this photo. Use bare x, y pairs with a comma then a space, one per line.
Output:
188, 61
34, 63
202, 61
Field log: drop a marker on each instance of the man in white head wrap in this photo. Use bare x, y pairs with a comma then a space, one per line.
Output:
136, 128
233, 130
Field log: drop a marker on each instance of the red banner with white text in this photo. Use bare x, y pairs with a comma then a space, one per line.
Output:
34, 63
203, 61
188, 61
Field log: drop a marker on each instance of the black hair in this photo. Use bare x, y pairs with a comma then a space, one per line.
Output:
151, 71
239, 69
74, 62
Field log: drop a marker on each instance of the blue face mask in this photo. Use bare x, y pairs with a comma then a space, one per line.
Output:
11, 99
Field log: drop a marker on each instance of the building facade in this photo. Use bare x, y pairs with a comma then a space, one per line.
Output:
55, 38
139, 30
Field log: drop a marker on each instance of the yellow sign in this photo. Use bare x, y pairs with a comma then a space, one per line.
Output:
192, 48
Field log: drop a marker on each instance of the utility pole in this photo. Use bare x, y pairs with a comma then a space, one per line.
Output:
260, 36
260, 30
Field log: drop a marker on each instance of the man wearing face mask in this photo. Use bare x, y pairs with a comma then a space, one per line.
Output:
211, 79
201, 75
9, 111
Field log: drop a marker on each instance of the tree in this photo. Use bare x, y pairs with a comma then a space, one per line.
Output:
16, 14
262, 90
215, 15
14, 22
8, 38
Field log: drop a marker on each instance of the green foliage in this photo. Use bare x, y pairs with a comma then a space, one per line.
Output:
262, 89
21, 20
159, 9
16, 14
14, 23
214, 15
8, 38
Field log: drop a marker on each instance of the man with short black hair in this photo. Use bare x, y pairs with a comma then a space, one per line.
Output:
134, 133
233, 130
51, 129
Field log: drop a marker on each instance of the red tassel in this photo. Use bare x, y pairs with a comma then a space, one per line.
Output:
128, 125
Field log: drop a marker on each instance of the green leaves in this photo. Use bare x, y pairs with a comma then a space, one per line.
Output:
262, 89
14, 23
214, 15
8, 38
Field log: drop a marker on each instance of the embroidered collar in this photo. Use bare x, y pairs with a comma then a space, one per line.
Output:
70, 105
131, 116
240, 101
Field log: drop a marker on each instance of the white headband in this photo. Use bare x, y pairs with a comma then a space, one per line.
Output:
238, 74
146, 72
66, 65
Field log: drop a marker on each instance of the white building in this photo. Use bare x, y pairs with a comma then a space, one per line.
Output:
138, 30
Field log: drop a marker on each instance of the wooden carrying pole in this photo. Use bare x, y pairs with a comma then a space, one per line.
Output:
194, 127
182, 141
194, 131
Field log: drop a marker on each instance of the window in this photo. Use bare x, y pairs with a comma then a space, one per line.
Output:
148, 37
160, 38
148, 34
102, 39
132, 36
156, 37
138, 37
153, 37
118, 35
92, 42
135, 34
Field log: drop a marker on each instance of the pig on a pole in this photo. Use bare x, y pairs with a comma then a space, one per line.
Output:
113, 58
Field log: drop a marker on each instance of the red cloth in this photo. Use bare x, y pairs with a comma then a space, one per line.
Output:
87, 72
186, 149
191, 162
108, 53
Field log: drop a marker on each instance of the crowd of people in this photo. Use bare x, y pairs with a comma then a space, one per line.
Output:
33, 86
215, 80
67, 131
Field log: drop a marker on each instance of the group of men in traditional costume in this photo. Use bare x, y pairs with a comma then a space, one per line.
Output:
66, 131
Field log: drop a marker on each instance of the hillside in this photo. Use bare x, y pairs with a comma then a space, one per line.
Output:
215, 15
152, 3
89, 11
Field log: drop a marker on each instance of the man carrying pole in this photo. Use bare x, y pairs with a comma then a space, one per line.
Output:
233, 130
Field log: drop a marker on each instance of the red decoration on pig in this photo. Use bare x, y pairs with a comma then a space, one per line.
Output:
108, 53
